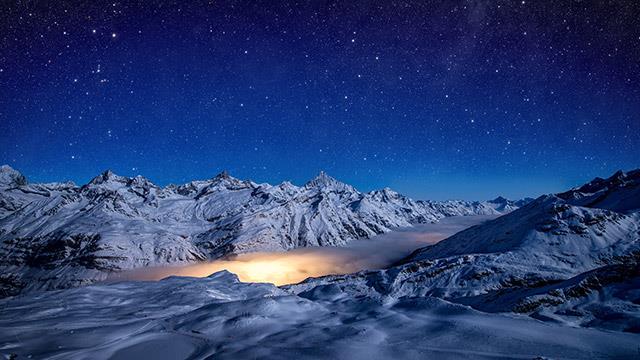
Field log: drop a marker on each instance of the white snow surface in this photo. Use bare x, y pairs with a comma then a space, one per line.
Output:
221, 318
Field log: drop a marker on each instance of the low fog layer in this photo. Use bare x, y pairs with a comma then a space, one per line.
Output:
296, 265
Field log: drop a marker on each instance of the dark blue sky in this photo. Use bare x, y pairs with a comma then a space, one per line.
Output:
466, 99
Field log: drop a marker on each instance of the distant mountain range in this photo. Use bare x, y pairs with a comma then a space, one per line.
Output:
60, 235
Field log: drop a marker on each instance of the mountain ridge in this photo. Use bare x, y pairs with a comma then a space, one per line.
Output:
60, 235
555, 259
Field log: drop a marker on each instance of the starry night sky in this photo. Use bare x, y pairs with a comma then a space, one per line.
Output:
437, 100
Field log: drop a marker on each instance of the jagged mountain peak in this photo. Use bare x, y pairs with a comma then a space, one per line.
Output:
108, 176
388, 190
142, 181
225, 180
503, 204
221, 182
618, 174
287, 186
619, 192
324, 181
500, 200
6, 168
111, 180
617, 179
224, 174
323, 178
385, 193
11, 177
225, 177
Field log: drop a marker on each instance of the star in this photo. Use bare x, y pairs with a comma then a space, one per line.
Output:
453, 78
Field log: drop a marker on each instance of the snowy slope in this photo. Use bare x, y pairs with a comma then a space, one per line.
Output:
61, 235
606, 297
546, 232
549, 259
545, 241
220, 318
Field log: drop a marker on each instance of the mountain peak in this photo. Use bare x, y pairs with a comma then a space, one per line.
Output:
324, 181
107, 176
287, 185
142, 181
386, 191
323, 177
500, 200
224, 174
618, 174
618, 178
619, 192
225, 177
224, 180
11, 177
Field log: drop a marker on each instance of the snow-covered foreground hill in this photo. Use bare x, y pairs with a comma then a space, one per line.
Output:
61, 235
221, 318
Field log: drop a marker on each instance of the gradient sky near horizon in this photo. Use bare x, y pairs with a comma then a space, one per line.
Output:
438, 100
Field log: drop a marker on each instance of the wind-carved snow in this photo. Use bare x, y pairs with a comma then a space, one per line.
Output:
222, 318
63, 235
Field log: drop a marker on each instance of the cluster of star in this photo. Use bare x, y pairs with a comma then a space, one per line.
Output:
426, 96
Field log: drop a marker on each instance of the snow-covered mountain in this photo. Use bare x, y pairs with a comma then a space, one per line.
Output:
504, 205
61, 235
477, 294
620, 192
549, 259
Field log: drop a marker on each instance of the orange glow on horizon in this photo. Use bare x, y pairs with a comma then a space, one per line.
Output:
294, 266
276, 268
